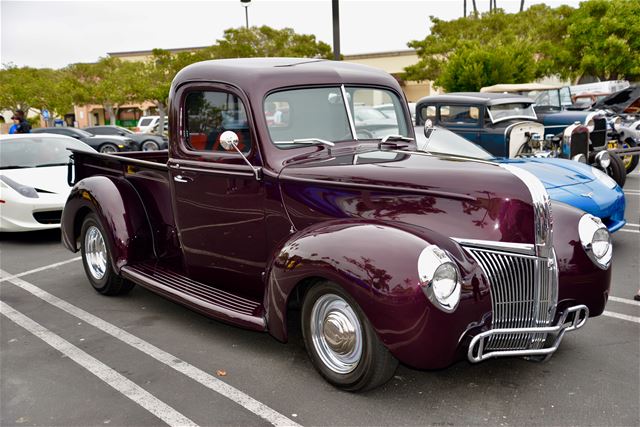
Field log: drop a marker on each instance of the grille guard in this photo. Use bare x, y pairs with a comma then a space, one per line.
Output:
571, 319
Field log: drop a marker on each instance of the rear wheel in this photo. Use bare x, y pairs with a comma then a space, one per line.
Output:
150, 146
96, 259
108, 148
341, 343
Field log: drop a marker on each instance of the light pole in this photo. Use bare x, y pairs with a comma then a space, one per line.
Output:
245, 3
335, 9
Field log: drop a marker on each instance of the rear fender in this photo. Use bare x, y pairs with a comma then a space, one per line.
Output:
120, 212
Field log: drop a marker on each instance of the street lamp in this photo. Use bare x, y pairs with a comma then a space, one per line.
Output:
245, 3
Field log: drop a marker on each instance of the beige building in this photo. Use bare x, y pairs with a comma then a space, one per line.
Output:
392, 62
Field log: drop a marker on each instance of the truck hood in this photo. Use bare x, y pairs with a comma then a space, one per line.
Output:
452, 196
555, 173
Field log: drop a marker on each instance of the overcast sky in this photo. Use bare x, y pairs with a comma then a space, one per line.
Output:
57, 33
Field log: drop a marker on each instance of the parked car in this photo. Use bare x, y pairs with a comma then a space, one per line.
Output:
623, 112
101, 143
392, 254
585, 100
33, 180
389, 110
573, 183
144, 141
553, 107
507, 125
146, 124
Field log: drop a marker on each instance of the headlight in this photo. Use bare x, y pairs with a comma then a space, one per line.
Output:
596, 240
591, 125
603, 158
580, 158
24, 190
616, 123
439, 278
604, 178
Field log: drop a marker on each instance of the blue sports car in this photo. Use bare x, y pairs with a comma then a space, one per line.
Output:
570, 182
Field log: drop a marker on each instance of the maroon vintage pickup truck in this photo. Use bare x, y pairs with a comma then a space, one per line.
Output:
285, 188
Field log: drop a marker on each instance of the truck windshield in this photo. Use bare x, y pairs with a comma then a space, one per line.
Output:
511, 111
321, 114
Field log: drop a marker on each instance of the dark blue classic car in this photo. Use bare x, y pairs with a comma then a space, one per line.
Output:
507, 125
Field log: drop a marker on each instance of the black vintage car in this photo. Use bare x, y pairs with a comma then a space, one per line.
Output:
101, 143
144, 141
507, 125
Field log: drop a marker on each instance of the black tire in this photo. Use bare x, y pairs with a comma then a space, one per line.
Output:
108, 148
375, 365
616, 170
149, 145
629, 161
109, 283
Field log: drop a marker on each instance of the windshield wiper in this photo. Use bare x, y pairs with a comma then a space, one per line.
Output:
309, 141
396, 138
44, 165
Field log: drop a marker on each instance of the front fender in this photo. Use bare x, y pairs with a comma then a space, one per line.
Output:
120, 212
377, 265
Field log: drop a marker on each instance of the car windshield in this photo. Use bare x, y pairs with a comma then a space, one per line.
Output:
37, 151
518, 110
146, 121
443, 141
318, 115
125, 130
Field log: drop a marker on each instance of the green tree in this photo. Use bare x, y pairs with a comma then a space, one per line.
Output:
110, 82
539, 31
474, 66
28, 88
267, 41
603, 40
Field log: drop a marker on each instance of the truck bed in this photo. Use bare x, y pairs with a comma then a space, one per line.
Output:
148, 173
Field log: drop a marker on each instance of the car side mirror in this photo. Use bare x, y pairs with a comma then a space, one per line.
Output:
229, 141
428, 128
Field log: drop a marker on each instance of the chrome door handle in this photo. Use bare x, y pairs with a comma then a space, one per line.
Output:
180, 178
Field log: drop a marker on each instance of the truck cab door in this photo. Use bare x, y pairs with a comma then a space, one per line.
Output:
218, 200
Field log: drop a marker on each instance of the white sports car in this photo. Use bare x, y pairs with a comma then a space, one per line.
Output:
33, 180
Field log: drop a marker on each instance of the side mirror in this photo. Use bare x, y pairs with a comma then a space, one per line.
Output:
428, 128
229, 141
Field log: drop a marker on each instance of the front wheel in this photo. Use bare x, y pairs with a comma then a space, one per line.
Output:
616, 170
96, 259
341, 343
630, 161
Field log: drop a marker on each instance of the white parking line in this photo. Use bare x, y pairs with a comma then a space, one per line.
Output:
162, 356
621, 316
624, 300
631, 225
36, 270
125, 386
629, 231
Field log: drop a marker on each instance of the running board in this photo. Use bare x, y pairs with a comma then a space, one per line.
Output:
205, 299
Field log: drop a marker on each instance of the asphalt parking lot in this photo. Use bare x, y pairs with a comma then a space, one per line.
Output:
69, 356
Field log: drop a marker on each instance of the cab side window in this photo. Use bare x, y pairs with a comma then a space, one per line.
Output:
459, 114
210, 113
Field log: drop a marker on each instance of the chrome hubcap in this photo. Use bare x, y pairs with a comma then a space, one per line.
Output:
336, 333
108, 149
95, 252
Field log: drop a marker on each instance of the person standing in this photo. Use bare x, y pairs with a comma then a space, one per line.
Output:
20, 123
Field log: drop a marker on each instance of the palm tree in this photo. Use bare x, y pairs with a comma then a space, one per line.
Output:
521, 5
475, 7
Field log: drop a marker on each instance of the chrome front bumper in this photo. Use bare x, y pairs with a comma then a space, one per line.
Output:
572, 318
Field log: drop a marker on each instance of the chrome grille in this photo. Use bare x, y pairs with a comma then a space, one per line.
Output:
523, 295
